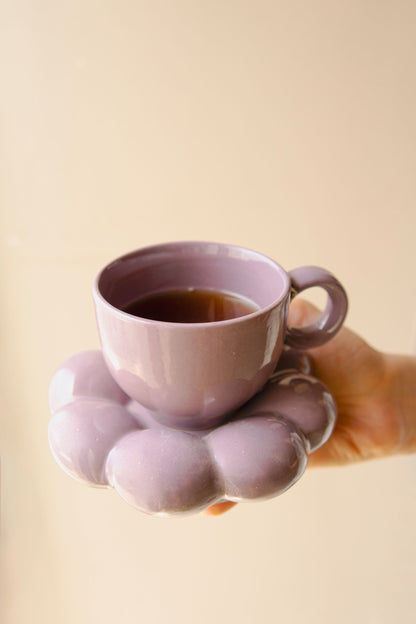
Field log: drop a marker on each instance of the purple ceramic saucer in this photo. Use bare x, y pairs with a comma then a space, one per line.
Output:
99, 436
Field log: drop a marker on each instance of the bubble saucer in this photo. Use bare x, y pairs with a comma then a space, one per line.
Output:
101, 437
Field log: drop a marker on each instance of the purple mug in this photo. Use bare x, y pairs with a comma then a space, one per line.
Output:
192, 375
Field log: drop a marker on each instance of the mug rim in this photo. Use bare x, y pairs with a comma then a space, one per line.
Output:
99, 297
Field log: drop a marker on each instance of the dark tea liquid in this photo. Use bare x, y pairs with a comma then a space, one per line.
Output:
190, 306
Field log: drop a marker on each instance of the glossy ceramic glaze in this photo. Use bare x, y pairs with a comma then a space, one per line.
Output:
191, 375
99, 437
178, 416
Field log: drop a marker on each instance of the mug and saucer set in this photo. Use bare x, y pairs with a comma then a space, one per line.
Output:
201, 392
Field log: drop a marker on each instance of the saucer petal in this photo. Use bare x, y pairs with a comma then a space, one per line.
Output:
301, 399
81, 435
163, 472
258, 457
84, 374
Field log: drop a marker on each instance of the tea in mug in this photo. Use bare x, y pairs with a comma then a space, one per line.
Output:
190, 305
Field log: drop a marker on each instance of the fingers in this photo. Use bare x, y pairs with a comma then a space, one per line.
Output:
218, 509
301, 312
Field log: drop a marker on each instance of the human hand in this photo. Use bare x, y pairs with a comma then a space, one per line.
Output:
375, 394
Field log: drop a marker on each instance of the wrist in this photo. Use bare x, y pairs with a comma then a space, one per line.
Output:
402, 390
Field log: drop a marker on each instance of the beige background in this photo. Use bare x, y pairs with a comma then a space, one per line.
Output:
288, 127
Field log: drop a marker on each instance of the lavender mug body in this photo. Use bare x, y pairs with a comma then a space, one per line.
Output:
191, 375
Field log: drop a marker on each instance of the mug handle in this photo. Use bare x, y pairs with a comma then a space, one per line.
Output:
331, 319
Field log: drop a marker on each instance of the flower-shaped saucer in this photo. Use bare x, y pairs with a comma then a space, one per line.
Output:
99, 436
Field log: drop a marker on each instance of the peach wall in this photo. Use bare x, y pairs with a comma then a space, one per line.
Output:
287, 127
